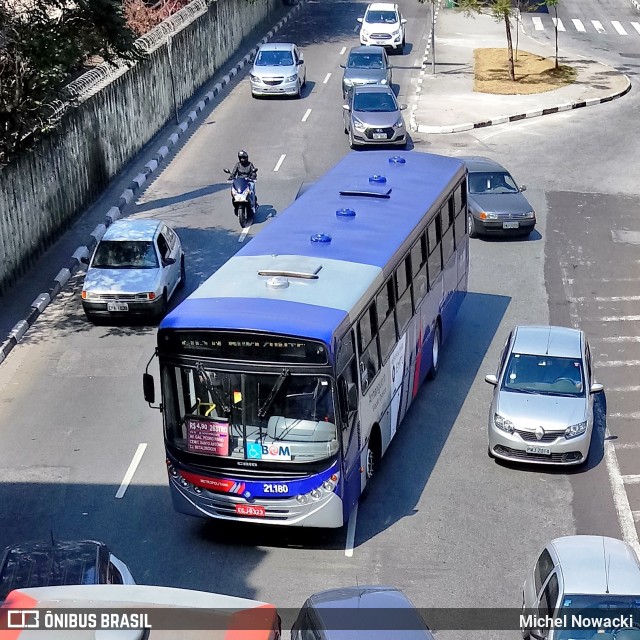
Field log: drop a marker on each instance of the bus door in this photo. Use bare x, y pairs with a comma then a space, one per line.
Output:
349, 424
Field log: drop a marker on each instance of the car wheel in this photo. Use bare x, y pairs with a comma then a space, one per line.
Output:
299, 91
304, 80
351, 142
91, 318
473, 232
435, 352
183, 274
162, 311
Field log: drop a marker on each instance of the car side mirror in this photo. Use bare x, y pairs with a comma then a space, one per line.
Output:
168, 261
226, 171
346, 107
343, 65
301, 61
359, 20
84, 260
523, 187
403, 21
596, 387
491, 379
148, 388
403, 107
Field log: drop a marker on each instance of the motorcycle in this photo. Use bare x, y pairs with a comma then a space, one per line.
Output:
243, 198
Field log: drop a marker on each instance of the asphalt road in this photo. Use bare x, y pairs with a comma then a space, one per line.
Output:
443, 522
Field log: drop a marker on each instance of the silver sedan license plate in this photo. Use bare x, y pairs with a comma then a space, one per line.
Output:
510, 225
379, 136
117, 306
541, 451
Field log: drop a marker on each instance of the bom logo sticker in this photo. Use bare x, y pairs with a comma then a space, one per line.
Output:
257, 451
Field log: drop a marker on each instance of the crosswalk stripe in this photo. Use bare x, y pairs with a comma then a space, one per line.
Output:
578, 25
558, 23
598, 26
537, 23
636, 26
619, 28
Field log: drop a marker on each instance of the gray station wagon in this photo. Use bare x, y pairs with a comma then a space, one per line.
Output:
366, 65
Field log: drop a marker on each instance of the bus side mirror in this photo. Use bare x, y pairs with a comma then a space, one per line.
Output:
149, 388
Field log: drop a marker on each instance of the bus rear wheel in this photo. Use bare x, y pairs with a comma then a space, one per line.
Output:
435, 352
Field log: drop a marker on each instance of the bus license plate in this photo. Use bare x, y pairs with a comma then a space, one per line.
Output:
510, 225
379, 136
255, 511
542, 451
117, 306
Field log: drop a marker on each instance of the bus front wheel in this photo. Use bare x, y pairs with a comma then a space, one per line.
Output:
371, 461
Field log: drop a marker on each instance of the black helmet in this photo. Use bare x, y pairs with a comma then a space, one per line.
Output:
243, 155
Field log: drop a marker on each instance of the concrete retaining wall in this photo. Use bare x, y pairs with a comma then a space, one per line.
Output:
42, 191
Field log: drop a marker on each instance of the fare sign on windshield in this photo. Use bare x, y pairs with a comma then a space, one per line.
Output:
208, 436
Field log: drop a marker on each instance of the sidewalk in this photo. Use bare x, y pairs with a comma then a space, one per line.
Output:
446, 102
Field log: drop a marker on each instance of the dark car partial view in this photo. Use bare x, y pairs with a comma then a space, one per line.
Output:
360, 613
56, 563
365, 65
372, 115
496, 203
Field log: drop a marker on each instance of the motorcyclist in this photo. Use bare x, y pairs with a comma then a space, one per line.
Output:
247, 170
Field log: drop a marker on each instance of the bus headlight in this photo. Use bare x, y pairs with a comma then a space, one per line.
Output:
315, 494
328, 486
172, 471
197, 489
184, 482
302, 499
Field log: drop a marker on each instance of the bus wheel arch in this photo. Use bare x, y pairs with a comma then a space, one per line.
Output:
436, 348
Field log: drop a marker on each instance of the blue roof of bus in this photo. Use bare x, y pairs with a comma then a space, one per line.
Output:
238, 297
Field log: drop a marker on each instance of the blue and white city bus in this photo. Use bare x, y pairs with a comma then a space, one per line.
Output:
285, 375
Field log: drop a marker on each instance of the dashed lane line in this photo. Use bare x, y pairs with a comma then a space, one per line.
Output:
578, 25
343, 50
243, 235
280, 161
351, 532
306, 115
618, 363
137, 456
326, 78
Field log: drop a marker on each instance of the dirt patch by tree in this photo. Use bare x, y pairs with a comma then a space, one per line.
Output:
534, 74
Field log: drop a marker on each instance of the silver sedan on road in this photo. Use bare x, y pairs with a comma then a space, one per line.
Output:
373, 116
542, 407
279, 69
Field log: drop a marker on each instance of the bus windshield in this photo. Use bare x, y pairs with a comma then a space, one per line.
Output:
278, 416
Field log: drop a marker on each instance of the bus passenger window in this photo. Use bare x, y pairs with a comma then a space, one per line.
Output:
369, 364
418, 261
366, 329
384, 302
448, 246
435, 259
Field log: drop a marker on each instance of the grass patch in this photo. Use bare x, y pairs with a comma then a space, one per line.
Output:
534, 74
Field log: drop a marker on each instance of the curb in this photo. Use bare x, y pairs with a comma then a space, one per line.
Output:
636, 4
115, 212
568, 106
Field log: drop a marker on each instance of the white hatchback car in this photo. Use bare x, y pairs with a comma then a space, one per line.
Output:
383, 25
278, 69
134, 270
594, 578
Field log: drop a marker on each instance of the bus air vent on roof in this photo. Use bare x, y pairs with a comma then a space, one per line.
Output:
368, 190
292, 267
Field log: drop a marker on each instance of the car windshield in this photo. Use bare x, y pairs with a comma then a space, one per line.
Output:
381, 17
274, 59
374, 102
492, 182
277, 417
607, 607
545, 375
365, 61
121, 254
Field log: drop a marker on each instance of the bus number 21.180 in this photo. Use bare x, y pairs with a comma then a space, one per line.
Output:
275, 488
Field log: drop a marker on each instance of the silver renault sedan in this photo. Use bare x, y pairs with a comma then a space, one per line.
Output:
373, 116
278, 69
578, 579
134, 270
542, 407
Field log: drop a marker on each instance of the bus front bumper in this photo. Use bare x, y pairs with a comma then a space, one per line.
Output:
325, 513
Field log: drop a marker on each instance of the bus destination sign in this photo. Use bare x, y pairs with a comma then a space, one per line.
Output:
228, 345
207, 436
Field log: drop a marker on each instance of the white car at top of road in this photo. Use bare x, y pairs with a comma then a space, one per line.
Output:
383, 25
134, 270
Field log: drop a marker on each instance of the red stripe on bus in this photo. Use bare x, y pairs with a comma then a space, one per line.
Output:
259, 623
15, 600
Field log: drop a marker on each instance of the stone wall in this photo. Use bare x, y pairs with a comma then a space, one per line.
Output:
42, 191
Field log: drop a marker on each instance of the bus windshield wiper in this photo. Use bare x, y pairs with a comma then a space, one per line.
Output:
212, 388
262, 411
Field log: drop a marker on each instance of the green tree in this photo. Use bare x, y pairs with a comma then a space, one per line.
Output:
502, 11
554, 5
43, 42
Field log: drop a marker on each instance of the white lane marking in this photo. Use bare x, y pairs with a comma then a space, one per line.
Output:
617, 339
636, 26
627, 445
558, 23
306, 115
598, 26
625, 416
618, 363
620, 499
280, 161
137, 456
636, 515
326, 78
578, 25
617, 280
606, 299
632, 388
619, 28
243, 235
343, 50
537, 23
615, 319
351, 532
356, 28
631, 479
